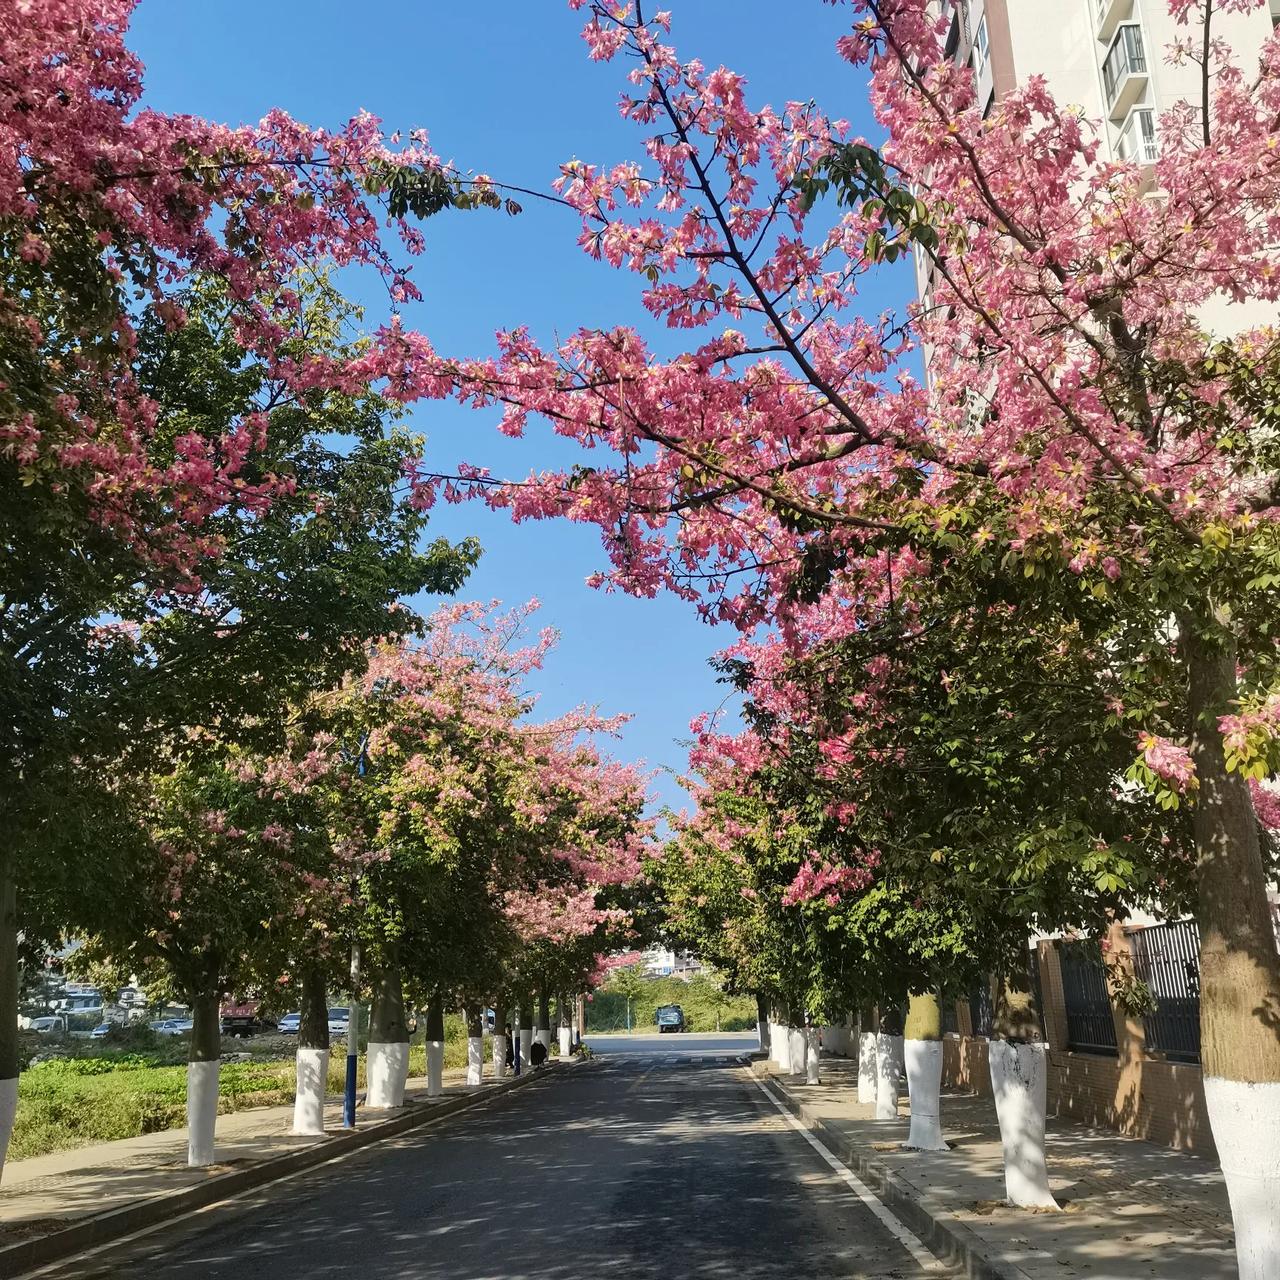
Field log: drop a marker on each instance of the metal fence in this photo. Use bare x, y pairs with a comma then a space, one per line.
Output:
981, 1011
1167, 958
1090, 1027
950, 1023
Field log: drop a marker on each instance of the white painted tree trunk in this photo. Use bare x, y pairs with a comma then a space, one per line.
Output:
543, 1037
1020, 1083
435, 1068
475, 1060
812, 1053
8, 1110
566, 1042
888, 1075
867, 1067
796, 1050
526, 1047
202, 1111
387, 1070
311, 1072
924, 1084
1245, 1121
777, 1044
499, 1057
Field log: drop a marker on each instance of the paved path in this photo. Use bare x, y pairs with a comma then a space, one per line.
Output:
629, 1167
726, 1046
1133, 1210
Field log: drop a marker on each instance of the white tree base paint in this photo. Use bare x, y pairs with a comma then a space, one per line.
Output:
1244, 1119
387, 1070
566, 1041
543, 1037
795, 1050
888, 1076
475, 1060
812, 1052
499, 1057
202, 1111
435, 1068
1020, 1084
526, 1047
8, 1110
311, 1070
777, 1044
867, 1067
924, 1084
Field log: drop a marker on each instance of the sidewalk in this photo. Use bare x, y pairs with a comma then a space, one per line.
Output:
1131, 1209
58, 1204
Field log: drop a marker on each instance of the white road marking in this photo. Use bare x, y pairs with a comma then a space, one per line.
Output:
909, 1240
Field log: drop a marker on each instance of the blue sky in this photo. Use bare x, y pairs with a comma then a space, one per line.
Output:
509, 90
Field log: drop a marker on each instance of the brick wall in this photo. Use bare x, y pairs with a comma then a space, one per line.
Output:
1134, 1092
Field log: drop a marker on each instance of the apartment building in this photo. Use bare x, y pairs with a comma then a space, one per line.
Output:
1106, 57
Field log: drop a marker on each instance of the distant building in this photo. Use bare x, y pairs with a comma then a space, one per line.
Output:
661, 962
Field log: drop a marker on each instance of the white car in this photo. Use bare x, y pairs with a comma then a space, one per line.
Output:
289, 1024
44, 1026
172, 1026
339, 1021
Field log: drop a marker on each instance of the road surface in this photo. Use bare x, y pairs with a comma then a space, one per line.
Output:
652, 1162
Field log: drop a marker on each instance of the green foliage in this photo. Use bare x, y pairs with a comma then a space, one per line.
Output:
702, 998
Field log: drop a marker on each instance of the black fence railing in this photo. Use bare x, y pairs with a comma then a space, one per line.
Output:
950, 1023
1167, 958
981, 1011
1090, 1027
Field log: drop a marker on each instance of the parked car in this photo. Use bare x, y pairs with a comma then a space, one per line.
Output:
171, 1026
102, 1029
289, 1024
670, 1017
339, 1021
45, 1026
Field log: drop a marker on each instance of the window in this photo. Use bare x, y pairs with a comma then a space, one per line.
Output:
981, 47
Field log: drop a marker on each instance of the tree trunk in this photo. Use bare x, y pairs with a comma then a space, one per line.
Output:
889, 1054
203, 1062
1239, 967
435, 1046
811, 1054
8, 1006
543, 1030
762, 1023
566, 1028
387, 1063
526, 1031
312, 1065
475, 1044
923, 1052
1019, 1069
499, 1040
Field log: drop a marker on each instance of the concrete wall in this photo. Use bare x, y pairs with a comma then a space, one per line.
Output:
1135, 1092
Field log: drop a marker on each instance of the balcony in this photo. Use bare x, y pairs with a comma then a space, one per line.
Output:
1124, 73
1137, 142
1107, 13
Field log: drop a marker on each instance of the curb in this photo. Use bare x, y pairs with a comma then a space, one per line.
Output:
104, 1228
943, 1234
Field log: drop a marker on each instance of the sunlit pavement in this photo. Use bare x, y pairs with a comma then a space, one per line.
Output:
649, 1163
728, 1044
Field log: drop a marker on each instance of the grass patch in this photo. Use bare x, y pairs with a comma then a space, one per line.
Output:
80, 1099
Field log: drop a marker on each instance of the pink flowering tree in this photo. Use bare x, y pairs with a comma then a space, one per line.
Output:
1095, 414
113, 501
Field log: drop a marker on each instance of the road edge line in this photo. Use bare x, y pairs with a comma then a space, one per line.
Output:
916, 1247
949, 1240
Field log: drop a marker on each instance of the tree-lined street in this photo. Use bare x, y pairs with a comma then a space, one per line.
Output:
632, 1167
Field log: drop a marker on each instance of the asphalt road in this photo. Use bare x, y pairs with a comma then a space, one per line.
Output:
681, 1045
643, 1165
